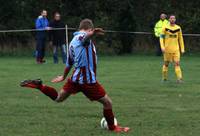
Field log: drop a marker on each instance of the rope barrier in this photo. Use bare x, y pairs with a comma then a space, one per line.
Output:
73, 29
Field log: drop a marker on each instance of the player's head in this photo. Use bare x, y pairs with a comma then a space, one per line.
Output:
86, 25
163, 16
44, 13
172, 19
56, 16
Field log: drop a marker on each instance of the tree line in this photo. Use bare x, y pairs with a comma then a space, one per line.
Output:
126, 15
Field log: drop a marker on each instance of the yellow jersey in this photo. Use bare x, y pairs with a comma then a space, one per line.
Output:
171, 39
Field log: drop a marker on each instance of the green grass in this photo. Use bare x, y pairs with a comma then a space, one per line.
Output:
140, 100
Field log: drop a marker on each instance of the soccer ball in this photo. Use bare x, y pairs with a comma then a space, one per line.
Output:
104, 123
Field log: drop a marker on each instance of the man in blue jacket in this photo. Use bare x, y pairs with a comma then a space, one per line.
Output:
41, 24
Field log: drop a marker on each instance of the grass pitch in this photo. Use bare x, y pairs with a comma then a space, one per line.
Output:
140, 100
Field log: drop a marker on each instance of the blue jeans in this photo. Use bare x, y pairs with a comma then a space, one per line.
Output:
63, 52
40, 48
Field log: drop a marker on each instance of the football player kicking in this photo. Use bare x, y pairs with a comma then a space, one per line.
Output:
82, 55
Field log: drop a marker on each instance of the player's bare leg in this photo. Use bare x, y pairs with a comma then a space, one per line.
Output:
62, 95
165, 70
178, 71
47, 90
109, 116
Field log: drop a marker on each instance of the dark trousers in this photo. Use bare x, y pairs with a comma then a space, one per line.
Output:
63, 52
158, 49
40, 49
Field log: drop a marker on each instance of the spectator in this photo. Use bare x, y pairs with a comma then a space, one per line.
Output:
41, 25
58, 38
157, 30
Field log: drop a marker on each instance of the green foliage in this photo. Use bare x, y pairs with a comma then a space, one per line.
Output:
124, 15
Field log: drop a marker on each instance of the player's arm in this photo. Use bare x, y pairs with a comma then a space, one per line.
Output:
95, 31
90, 33
99, 31
67, 69
162, 40
62, 77
181, 42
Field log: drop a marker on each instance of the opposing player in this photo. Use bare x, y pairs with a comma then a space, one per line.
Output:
171, 42
82, 55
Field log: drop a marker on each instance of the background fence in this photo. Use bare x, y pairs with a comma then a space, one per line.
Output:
126, 15
22, 42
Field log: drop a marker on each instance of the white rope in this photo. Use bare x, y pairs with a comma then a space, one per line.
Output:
128, 32
192, 35
32, 30
73, 29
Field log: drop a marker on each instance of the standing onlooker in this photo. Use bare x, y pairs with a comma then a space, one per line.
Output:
58, 38
157, 30
41, 25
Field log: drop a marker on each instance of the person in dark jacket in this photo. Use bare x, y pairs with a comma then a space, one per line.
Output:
58, 38
41, 24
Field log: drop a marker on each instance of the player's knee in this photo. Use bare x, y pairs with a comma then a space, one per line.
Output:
177, 64
59, 99
166, 64
108, 103
63, 95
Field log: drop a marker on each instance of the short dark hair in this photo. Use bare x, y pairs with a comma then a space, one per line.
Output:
86, 24
56, 13
43, 10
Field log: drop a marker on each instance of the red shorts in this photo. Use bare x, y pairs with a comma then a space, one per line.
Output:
92, 91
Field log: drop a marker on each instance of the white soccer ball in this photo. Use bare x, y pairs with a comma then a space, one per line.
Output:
104, 123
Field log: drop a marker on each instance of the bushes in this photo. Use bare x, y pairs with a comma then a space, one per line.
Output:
126, 15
